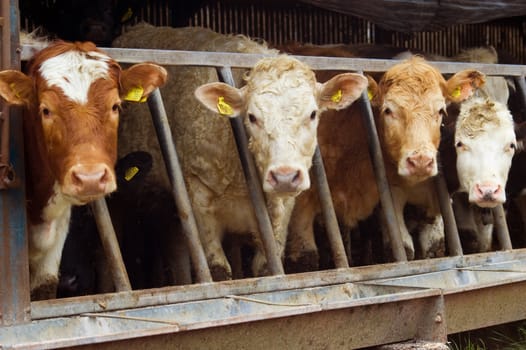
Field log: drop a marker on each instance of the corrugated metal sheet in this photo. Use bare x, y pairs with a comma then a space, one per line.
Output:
291, 21
424, 15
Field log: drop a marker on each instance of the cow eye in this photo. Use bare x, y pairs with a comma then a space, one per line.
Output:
46, 112
252, 118
459, 144
443, 113
115, 107
388, 111
513, 146
313, 115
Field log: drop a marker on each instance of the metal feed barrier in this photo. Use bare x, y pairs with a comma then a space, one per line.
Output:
391, 302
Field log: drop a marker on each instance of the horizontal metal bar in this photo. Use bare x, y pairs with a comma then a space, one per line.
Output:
418, 307
243, 60
194, 292
408, 306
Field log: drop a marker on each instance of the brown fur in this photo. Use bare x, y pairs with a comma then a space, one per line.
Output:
70, 147
417, 92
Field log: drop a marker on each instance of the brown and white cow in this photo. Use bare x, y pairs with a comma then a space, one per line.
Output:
72, 95
408, 102
280, 104
477, 158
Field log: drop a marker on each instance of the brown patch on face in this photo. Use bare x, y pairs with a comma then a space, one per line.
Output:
409, 103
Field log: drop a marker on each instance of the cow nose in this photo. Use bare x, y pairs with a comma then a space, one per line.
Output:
487, 192
285, 179
92, 180
420, 164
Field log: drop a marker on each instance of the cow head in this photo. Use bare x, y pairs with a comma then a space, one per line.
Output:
410, 101
280, 105
485, 144
73, 94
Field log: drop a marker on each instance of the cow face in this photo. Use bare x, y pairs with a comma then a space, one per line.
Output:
485, 144
73, 94
410, 101
281, 104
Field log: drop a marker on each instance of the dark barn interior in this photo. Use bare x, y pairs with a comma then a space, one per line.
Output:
436, 27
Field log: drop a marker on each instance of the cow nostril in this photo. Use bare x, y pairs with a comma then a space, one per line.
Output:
105, 177
76, 179
80, 178
488, 192
285, 178
297, 177
420, 161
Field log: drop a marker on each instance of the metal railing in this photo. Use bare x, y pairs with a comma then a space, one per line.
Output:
223, 61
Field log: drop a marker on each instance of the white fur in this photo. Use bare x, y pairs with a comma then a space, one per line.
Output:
47, 239
485, 157
74, 72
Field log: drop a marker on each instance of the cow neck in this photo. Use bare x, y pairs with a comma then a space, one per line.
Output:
39, 178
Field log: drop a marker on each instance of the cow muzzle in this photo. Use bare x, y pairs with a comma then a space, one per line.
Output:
85, 183
419, 164
487, 194
286, 179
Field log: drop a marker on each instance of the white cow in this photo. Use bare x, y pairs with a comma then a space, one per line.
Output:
280, 104
485, 144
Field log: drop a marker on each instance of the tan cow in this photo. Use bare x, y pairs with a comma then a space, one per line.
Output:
72, 95
408, 102
280, 104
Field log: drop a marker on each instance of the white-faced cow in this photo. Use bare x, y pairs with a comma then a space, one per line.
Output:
280, 104
484, 143
72, 95
408, 102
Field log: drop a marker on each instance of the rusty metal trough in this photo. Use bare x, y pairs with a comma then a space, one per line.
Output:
352, 308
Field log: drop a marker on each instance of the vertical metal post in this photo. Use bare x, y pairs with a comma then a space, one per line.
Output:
450, 226
179, 192
386, 198
520, 84
329, 216
501, 227
110, 245
14, 270
254, 186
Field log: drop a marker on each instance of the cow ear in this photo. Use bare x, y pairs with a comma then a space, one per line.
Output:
463, 84
221, 98
341, 90
16, 88
138, 81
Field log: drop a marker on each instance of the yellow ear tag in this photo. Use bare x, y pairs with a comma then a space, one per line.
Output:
15, 91
135, 95
370, 94
337, 97
223, 107
130, 173
456, 92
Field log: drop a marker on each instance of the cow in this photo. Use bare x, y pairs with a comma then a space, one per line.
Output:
477, 159
71, 95
487, 159
409, 103
280, 105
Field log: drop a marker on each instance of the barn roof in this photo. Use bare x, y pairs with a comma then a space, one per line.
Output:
424, 15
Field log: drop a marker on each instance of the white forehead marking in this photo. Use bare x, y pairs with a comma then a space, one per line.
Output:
74, 72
